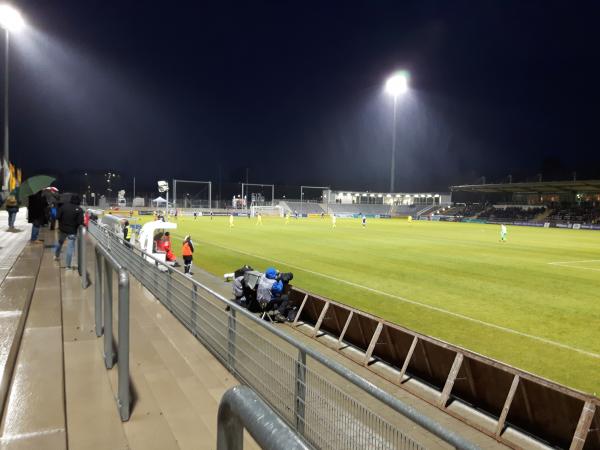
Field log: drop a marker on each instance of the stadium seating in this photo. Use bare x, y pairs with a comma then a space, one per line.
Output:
305, 207
361, 208
585, 213
511, 213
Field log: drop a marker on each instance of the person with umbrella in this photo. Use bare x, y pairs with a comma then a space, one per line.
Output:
30, 191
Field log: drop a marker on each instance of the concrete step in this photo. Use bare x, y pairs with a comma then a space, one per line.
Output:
93, 420
35, 414
16, 292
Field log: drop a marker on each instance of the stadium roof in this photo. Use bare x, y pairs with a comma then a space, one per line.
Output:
549, 187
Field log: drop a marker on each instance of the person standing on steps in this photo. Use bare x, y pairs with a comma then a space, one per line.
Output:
188, 255
70, 217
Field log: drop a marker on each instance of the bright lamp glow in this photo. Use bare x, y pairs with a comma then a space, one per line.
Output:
11, 19
397, 84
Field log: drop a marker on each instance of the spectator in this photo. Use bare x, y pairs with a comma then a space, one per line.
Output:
188, 255
70, 217
12, 207
269, 294
127, 232
36, 215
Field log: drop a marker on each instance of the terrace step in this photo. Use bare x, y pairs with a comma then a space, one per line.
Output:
35, 409
16, 292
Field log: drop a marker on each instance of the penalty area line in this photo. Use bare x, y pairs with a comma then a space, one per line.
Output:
414, 302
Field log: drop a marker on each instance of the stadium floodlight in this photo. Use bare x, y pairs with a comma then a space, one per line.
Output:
11, 19
396, 85
163, 186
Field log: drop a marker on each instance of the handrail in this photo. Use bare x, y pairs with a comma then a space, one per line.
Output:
105, 265
241, 408
303, 350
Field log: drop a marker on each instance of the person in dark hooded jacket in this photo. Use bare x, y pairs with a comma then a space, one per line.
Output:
69, 216
36, 214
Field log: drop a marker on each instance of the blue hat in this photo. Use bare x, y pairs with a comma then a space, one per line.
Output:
271, 273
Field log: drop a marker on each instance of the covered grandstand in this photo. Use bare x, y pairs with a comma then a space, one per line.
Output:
560, 203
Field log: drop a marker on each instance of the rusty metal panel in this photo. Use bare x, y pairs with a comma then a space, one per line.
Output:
394, 346
334, 320
546, 410
583, 426
473, 386
547, 413
312, 310
431, 363
593, 438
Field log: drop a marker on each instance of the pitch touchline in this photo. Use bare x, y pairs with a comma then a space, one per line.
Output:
413, 302
574, 262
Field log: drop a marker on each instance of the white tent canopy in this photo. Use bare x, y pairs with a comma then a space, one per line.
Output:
159, 201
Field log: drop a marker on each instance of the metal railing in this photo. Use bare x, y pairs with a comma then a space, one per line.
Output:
81, 257
106, 264
329, 405
241, 408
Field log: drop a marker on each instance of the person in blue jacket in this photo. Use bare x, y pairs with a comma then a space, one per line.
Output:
269, 293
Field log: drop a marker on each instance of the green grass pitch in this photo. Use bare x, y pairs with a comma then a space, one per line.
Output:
532, 302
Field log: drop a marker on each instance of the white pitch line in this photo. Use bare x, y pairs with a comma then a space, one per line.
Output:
577, 267
413, 302
574, 262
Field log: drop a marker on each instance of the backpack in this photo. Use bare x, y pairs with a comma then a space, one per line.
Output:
11, 201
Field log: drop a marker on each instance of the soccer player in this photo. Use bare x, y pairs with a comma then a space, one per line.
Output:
503, 233
195, 215
364, 220
333, 221
258, 219
409, 218
230, 220
287, 218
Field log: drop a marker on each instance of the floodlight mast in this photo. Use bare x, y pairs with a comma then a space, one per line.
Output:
12, 22
395, 86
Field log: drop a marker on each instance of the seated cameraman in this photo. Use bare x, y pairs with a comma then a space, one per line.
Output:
270, 293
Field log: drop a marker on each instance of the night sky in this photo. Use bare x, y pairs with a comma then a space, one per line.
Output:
293, 91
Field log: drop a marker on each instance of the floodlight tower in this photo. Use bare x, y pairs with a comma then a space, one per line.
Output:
12, 22
395, 86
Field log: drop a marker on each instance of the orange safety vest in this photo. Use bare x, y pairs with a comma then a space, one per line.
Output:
187, 251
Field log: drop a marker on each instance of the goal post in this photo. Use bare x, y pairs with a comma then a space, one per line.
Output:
257, 194
193, 201
322, 195
272, 211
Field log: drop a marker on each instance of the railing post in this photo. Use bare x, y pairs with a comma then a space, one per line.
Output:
300, 391
124, 401
231, 323
169, 287
82, 258
98, 296
109, 356
79, 240
194, 308
240, 408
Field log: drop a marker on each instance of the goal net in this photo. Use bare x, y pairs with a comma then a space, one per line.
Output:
188, 194
274, 211
258, 194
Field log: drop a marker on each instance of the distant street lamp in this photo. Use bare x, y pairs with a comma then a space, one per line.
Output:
395, 86
12, 22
